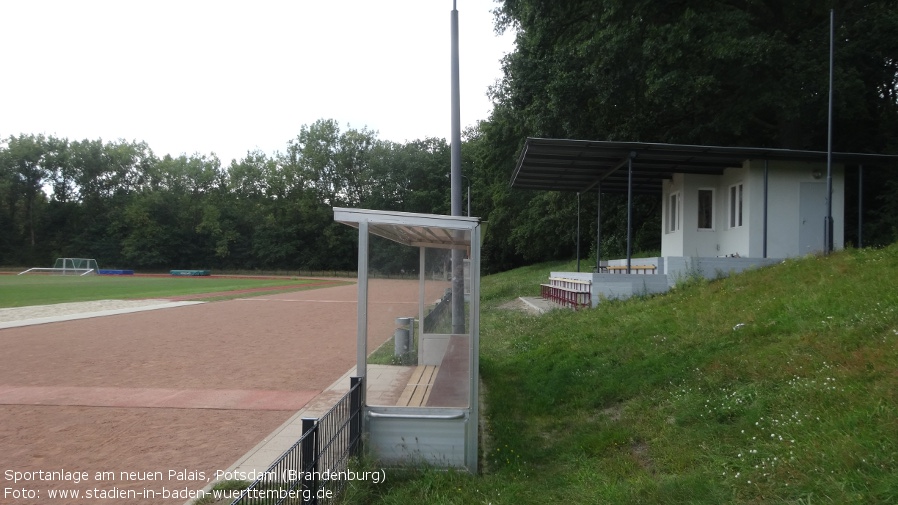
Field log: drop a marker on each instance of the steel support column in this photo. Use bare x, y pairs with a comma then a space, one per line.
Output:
361, 357
766, 169
630, 209
578, 232
599, 228
860, 206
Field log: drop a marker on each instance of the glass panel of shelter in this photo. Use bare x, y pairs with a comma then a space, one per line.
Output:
414, 359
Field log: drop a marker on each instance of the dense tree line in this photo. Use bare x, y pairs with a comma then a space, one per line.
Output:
713, 72
117, 202
708, 72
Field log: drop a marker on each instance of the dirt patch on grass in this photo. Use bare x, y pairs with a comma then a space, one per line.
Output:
532, 305
516, 304
639, 451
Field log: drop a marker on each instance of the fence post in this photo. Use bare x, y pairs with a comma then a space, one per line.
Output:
355, 415
309, 452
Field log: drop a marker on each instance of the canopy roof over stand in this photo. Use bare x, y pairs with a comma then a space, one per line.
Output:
583, 166
580, 165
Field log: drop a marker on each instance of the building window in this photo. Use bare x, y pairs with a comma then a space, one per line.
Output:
736, 205
673, 213
706, 209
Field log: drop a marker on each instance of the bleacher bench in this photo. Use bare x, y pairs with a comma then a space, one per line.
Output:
636, 269
573, 293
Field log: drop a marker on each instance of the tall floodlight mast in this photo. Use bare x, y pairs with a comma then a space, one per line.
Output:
458, 272
828, 225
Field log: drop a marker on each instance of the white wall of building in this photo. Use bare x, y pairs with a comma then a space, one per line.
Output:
671, 240
702, 242
734, 240
784, 216
784, 211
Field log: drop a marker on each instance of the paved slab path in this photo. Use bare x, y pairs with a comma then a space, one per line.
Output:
184, 391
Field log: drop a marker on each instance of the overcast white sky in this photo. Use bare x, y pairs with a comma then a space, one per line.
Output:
199, 76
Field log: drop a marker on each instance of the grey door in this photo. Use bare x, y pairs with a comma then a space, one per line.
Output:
811, 215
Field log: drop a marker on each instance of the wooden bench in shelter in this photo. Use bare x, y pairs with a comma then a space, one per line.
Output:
417, 392
573, 293
443, 385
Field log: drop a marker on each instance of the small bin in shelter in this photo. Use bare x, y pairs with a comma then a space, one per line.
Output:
403, 336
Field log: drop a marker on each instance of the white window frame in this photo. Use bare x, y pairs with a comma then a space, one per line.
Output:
736, 205
673, 212
713, 204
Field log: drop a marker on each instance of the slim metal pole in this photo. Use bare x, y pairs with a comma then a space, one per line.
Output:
578, 232
860, 206
828, 228
455, 153
766, 170
599, 228
630, 210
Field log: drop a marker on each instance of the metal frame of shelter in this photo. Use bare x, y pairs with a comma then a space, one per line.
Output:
583, 166
442, 436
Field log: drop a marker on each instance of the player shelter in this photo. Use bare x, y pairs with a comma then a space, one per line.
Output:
440, 427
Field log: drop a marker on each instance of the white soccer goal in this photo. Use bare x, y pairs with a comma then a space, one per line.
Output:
68, 266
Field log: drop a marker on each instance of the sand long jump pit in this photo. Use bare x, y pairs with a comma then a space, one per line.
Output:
145, 407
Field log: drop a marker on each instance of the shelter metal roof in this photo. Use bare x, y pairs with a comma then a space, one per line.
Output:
427, 230
580, 165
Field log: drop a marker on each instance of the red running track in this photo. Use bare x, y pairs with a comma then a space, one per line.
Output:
187, 389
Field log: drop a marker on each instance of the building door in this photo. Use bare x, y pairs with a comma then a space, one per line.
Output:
811, 215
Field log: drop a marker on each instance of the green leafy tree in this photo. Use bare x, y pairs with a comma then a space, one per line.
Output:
702, 72
24, 162
9, 205
711, 72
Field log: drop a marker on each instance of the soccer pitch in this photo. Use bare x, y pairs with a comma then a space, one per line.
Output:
22, 291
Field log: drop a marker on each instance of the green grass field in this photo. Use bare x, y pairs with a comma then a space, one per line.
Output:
24, 290
775, 386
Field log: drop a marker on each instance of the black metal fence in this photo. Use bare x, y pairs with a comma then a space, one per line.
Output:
303, 473
440, 310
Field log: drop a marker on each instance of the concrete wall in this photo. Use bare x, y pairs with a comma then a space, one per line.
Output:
677, 268
682, 267
622, 286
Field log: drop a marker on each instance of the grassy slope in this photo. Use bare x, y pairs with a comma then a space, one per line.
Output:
775, 386
20, 291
